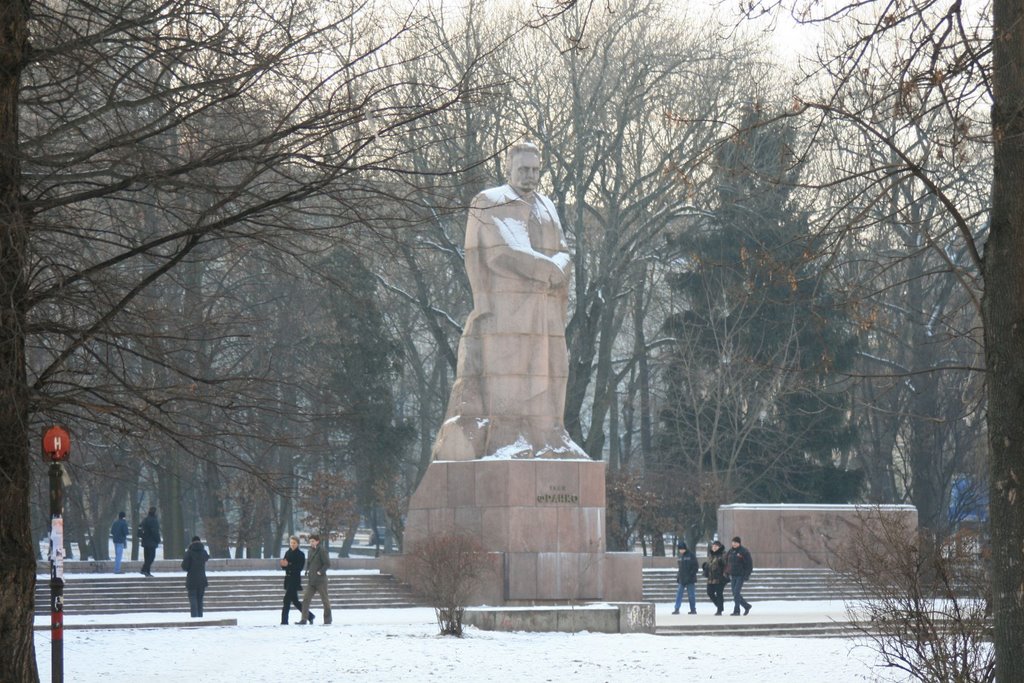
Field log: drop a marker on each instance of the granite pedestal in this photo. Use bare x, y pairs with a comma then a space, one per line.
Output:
799, 536
542, 521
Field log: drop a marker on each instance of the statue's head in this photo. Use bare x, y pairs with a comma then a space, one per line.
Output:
523, 167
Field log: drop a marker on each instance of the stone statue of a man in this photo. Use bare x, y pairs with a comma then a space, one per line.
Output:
508, 398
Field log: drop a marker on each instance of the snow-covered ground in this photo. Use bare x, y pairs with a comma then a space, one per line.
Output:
402, 645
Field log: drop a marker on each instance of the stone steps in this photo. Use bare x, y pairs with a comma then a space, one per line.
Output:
765, 584
226, 592
230, 591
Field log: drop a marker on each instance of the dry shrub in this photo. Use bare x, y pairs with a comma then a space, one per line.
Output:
329, 500
446, 570
923, 604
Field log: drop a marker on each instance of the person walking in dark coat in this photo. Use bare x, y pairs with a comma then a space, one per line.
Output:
686, 577
738, 567
194, 563
714, 571
149, 530
119, 534
292, 563
317, 565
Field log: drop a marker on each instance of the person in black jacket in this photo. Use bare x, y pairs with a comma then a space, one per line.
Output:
738, 567
292, 563
686, 577
714, 572
149, 531
194, 563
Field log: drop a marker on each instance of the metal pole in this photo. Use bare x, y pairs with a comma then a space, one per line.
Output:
56, 573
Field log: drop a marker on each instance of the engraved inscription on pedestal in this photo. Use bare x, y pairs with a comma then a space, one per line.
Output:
558, 494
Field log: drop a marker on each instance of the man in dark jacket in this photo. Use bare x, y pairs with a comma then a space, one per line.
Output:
292, 563
317, 565
119, 534
150, 533
738, 567
686, 577
194, 563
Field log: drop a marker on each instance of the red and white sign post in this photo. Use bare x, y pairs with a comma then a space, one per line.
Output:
56, 446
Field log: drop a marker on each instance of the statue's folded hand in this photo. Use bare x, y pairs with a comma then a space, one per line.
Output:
557, 278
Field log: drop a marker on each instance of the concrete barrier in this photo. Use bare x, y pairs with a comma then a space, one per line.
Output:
624, 617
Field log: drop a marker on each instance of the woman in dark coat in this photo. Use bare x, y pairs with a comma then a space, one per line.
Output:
292, 563
194, 563
149, 536
714, 570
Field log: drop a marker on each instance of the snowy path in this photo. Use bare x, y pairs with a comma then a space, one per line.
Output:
401, 645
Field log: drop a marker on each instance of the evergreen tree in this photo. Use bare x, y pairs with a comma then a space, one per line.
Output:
366, 361
755, 409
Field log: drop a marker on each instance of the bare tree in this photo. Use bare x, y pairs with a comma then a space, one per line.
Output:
329, 501
142, 136
905, 272
646, 95
965, 64
423, 284
447, 569
924, 608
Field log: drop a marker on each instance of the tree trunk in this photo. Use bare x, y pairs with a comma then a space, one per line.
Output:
925, 447
350, 537
581, 337
211, 508
265, 537
658, 542
279, 529
17, 556
616, 538
643, 372
135, 520
1003, 311
880, 436
285, 526
603, 384
172, 526
614, 440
